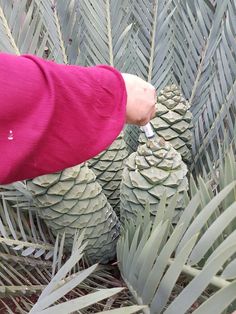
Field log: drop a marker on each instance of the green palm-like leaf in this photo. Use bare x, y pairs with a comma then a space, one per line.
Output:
106, 30
124, 310
22, 28
62, 21
191, 43
152, 268
46, 28
60, 285
22, 232
24, 281
154, 57
213, 81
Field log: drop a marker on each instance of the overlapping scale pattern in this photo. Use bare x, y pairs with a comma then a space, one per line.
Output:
108, 167
173, 121
156, 168
72, 201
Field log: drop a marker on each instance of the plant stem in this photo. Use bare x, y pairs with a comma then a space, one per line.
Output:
25, 260
26, 244
153, 42
216, 281
63, 49
109, 33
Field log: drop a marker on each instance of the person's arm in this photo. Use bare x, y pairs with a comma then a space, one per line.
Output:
55, 116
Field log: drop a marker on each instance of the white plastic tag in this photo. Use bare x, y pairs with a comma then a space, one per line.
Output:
148, 130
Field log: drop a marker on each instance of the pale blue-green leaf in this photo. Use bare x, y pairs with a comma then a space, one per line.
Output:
213, 232
18, 247
55, 256
79, 303
49, 255
60, 253
230, 271
205, 214
150, 254
125, 254
20, 225
168, 281
39, 253
50, 299
160, 214
161, 263
75, 257
32, 227
189, 213
231, 238
39, 226
219, 301
195, 288
135, 265
8, 218
132, 250
2, 229
28, 251
125, 310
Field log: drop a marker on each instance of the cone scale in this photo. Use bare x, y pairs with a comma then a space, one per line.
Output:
154, 170
173, 121
72, 201
108, 167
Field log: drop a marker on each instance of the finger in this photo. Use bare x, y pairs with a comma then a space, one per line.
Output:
153, 114
155, 95
153, 92
143, 121
152, 111
150, 116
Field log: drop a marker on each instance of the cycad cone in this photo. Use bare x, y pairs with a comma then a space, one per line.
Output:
154, 170
173, 121
72, 201
108, 167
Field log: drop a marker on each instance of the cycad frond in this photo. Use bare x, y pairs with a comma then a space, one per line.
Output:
61, 284
22, 29
62, 21
49, 29
208, 75
154, 40
106, 31
192, 44
52, 282
22, 232
151, 267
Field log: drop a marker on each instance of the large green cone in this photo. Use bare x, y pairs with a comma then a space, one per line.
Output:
173, 121
154, 170
108, 167
72, 201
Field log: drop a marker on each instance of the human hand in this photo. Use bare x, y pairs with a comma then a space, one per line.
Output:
141, 99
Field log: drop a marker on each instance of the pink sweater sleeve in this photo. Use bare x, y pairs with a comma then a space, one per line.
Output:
55, 116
